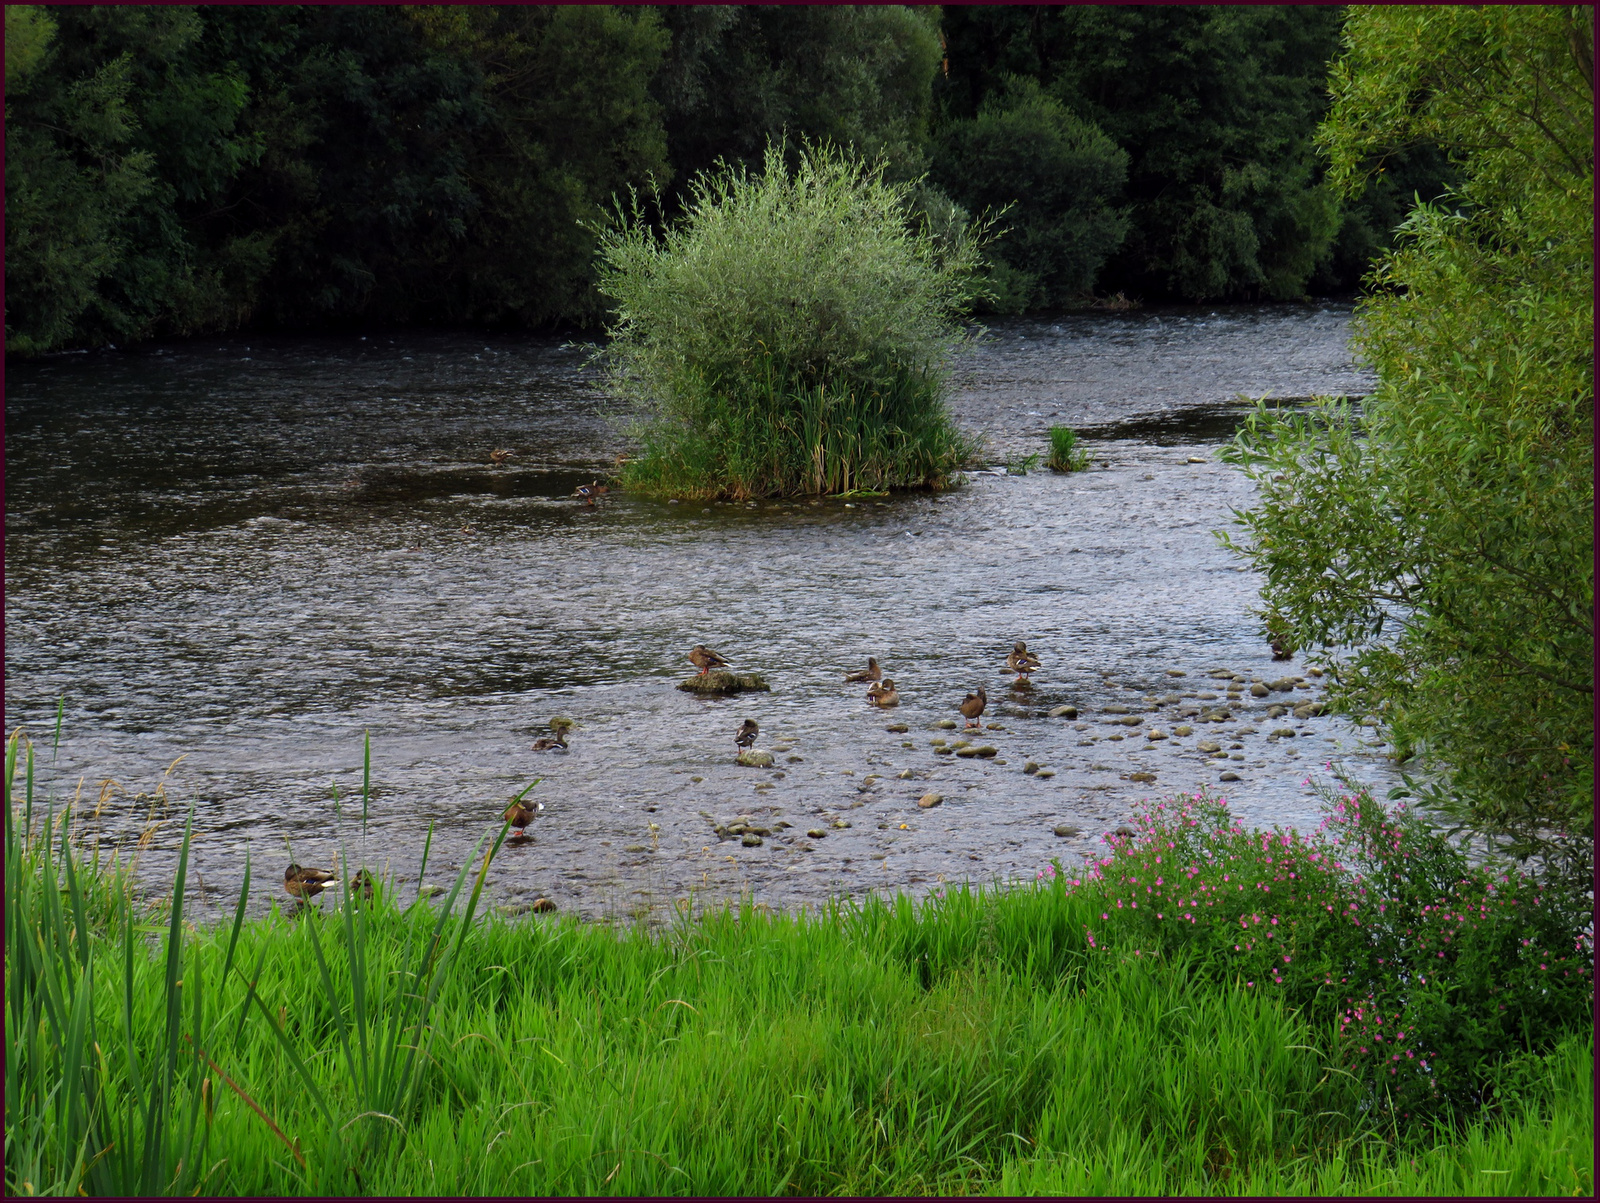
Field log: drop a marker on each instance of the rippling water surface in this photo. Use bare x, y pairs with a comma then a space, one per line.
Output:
248, 553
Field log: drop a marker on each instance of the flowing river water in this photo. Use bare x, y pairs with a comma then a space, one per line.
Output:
249, 553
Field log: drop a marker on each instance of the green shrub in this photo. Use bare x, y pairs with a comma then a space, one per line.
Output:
1435, 973
791, 334
1065, 454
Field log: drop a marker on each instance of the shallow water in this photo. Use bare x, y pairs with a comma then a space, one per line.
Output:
249, 552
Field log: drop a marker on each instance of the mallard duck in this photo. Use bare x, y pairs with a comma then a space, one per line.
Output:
705, 659
499, 455
545, 742
1021, 661
747, 734
519, 814
587, 493
870, 673
362, 884
888, 695
306, 883
973, 705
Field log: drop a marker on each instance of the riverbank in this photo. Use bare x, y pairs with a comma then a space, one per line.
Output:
1041, 1039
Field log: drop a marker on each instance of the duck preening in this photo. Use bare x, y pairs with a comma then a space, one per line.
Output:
519, 814
1021, 661
973, 706
870, 673
587, 493
887, 695
746, 737
705, 659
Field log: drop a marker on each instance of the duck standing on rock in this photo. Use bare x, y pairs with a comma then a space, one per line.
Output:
705, 659
304, 883
747, 734
870, 673
886, 695
973, 706
1021, 661
587, 493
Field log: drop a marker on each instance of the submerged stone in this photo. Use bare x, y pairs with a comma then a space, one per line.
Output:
724, 684
755, 758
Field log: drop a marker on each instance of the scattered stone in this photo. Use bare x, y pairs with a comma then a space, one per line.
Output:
794, 759
1284, 732
696, 780
1064, 712
928, 801
636, 848
1125, 831
1176, 672
905, 774
1282, 685
946, 724
841, 824
1207, 696
1141, 777
1031, 767
1230, 775
1315, 672
512, 910
751, 840
1235, 755
1133, 720
897, 728
817, 833
724, 683
542, 906
943, 750
1066, 830
1276, 711
1183, 730
1209, 745
1154, 735
429, 891
1117, 708
1043, 774
988, 750
755, 758
1196, 459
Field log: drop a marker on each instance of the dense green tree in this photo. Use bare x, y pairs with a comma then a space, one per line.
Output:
1055, 177
739, 78
1438, 545
1215, 106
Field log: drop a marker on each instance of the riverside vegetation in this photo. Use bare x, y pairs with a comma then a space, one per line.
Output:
791, 334
1200, 1009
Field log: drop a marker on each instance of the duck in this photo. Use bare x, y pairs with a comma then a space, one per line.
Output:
747, 734
545, 742
870, 673
705, 659
973, 706
499, 455
1021, 661
362, 884
303, 883
519, 814
587, 493
888, 695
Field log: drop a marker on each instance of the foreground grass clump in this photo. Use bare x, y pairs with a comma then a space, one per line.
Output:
790, 334
980, 1042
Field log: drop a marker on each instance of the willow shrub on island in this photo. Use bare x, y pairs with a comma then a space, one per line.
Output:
791, 334
1437, 545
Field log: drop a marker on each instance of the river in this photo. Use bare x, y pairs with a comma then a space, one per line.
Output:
252, 552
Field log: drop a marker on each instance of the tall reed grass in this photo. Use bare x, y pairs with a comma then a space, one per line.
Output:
974, 1042
792, 333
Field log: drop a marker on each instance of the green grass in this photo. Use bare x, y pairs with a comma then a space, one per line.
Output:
1065, 453
970, 1044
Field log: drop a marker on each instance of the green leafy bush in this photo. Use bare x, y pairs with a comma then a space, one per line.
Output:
1434, 972
791, 334
1437, 545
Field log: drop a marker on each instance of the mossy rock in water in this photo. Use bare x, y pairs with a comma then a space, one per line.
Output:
723, 683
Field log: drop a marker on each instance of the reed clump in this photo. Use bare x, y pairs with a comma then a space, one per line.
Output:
1066, 453
791, 334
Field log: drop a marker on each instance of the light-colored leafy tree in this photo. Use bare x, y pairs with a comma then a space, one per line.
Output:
1436, 542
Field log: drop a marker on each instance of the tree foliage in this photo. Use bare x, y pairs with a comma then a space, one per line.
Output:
1438, 544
